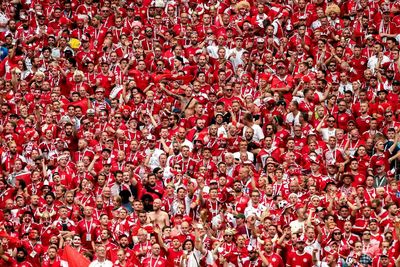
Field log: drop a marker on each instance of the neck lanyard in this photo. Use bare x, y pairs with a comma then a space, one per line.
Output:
88, 228
371, 195
155, 263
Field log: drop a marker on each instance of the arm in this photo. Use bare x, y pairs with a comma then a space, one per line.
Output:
326, 93
391, 149
263, 259
91, 165
164, 145
2, 255
148, 87
153, 121
169, 93
330, 206
159, 238
295, 91
44, 168
314, 256
198, 244
318, 129
319, 236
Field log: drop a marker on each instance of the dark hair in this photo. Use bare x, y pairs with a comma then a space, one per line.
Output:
187, 241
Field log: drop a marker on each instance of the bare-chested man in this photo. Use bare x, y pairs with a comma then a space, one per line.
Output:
158, 217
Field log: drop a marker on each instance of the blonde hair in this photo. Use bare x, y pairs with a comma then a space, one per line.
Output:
332, 8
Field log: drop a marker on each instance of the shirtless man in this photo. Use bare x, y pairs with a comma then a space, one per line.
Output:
158, 217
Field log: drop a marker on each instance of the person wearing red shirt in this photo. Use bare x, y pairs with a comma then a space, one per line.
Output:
174, 251
86, 228
33, 247
52, 258
155, 259
252, 260
363, 118
21, 259
228, 97
299, 258
282, 81
269, 257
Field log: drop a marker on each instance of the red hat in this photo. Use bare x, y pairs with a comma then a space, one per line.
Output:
79, 19
64, 21
306, 79
379, 163
265, 76
126, 107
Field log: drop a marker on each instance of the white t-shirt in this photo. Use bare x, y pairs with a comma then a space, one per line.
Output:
326, 133
105, 263
196, 256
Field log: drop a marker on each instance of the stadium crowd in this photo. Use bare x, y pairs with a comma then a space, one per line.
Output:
199, 133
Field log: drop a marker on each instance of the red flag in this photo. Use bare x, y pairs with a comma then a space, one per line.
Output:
83, 103
74, 258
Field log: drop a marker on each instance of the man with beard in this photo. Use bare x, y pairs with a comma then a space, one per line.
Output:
53, 259
198, 130
152, 188
253, 259
49, 207
73, 209
24, 31
70, 137
299, 257
9, 157
117, 187
153, 153
147, 43
157, 216
194, 46
20, 261
104, 239
123, 243
33, 247
100, 208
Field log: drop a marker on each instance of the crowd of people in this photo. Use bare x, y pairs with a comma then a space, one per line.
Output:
212, 133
